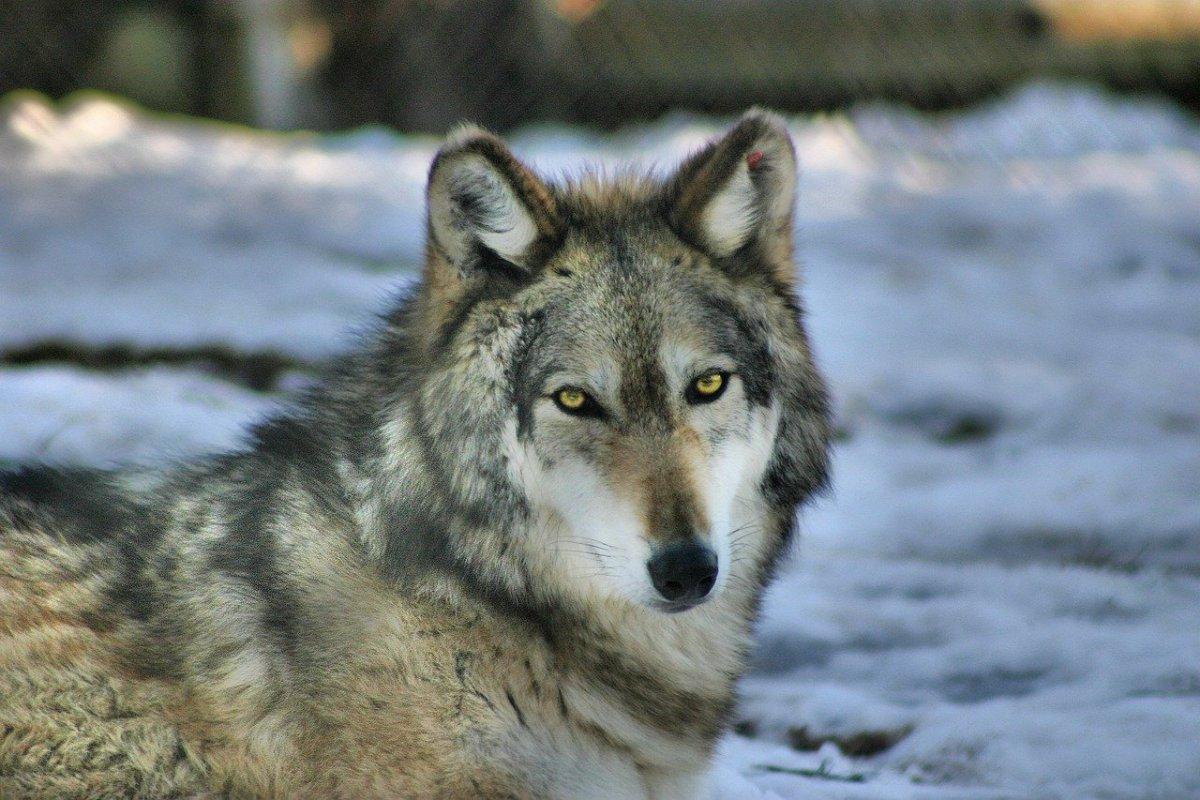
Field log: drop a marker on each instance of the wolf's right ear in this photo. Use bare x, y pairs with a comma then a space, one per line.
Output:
484, 203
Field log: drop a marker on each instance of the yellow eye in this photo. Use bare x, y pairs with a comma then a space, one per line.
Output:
571, 399
709, 384
707, 388
576, 402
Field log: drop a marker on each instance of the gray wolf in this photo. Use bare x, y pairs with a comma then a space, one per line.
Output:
512, 546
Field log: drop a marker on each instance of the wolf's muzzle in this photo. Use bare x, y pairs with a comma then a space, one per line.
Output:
683, 573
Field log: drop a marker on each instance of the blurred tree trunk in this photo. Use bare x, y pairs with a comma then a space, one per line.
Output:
428, 64
48, 44
213, 38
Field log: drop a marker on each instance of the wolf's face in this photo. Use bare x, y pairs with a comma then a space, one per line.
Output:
651, 404
645, 414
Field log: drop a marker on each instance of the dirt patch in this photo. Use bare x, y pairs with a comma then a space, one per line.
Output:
257, 370
858, 745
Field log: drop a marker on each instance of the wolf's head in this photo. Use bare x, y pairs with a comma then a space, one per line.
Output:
617, 380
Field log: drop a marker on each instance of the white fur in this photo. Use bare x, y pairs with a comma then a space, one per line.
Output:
732, 214
731, 482
593, 539
677, 785
683, 362
560, 764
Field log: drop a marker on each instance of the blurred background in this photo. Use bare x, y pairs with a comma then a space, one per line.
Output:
425, 64
999, 245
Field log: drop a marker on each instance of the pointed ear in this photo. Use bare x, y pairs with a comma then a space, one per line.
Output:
484, 204
739, 191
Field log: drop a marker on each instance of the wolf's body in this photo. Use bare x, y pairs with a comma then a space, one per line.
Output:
427, 580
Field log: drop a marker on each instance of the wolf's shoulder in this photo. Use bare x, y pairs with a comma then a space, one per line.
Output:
80, 505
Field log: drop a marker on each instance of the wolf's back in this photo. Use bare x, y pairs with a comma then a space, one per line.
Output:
71, 725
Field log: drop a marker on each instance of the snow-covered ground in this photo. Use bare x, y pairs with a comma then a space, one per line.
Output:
1002, 597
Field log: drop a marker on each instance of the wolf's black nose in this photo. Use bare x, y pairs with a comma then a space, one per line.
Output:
684, 572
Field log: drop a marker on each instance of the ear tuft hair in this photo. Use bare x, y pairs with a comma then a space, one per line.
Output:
737, 190
481, 196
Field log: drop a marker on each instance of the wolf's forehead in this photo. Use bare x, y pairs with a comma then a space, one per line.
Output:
639, 315
619, 247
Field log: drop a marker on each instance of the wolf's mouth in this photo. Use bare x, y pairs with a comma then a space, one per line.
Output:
679, 606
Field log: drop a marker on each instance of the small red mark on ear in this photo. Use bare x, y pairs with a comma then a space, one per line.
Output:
753, 159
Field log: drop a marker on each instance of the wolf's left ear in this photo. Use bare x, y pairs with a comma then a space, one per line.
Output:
482, 202
739, 191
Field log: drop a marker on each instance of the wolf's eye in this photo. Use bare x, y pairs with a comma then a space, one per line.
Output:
577, 402
707, 387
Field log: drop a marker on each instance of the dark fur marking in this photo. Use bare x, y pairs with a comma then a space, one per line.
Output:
290, 453
562, 704
787, 483
512, 702
525, 386
248, 553
746, 342
301, 454
441, 467
86, 508
419, 540
461, 661
535, 686
502, 283
487, 700
416, 537
82, 505
135, 589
